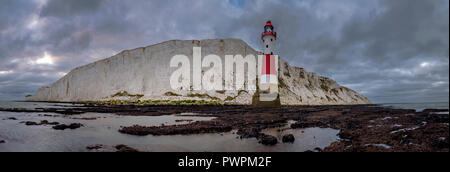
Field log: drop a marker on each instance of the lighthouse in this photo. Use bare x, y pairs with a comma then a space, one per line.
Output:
268, 67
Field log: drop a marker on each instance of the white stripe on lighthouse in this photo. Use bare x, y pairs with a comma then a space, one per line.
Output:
269, 79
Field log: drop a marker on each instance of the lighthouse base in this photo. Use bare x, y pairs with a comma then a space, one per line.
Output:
258, 103
265, 100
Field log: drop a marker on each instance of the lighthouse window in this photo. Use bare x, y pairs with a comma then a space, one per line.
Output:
267, 46
271, 53
271, 40
268, 29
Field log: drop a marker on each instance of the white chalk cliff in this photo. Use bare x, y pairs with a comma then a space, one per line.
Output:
144, 74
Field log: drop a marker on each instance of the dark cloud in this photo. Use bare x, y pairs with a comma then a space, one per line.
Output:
12, 14
13, 11
391, 51
70, 8
406, 29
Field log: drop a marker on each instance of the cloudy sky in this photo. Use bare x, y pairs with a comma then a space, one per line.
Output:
388, 50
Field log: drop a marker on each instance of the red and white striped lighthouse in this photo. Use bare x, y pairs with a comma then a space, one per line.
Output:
268, 80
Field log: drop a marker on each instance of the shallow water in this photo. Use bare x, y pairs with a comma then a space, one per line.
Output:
305, 139
419, 106
104, 130
33, 105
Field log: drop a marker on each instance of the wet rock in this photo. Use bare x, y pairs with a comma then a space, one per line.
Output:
435, 110
191, 128
299, 125
44, 122
31, 123
93, 118
288, 138
64, 126
94, 147
125, 148
268, 140
184, 120
441, 143
346, 134
249, 132
11, 118
307, 124
353, 124
69, 112
136, 130
430, 117
317, 149
2, 141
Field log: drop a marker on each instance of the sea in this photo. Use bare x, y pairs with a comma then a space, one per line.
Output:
418, 106
102, 129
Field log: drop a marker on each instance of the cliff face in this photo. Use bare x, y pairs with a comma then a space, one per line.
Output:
144, 74
298, 86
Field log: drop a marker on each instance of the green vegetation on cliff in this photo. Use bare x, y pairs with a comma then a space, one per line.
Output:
157, 102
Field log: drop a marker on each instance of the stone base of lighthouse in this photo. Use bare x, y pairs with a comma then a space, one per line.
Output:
256, 102
266, 98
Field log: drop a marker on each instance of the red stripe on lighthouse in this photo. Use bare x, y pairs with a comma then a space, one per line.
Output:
272, 65
267, 64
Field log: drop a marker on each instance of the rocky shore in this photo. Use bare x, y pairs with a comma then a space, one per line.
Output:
363, 128
117, 148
